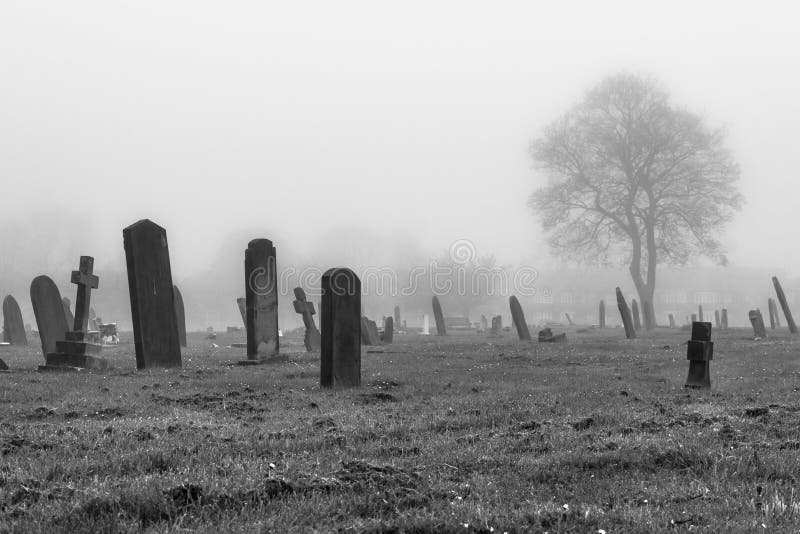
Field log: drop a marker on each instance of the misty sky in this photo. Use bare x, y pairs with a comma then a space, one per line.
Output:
411, 119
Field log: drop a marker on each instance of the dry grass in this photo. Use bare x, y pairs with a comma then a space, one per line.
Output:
463, 434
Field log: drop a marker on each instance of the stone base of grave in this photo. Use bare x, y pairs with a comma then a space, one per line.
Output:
75, 352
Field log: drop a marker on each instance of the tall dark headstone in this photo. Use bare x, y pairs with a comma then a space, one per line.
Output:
671, 321
13, 326
625, 313
242, 304
155, 330
772, 310
49, 312
717, 323
759, 330
306, 309
518, 316
724, 318
637, 323
65, 302
261, 295
340, 322
388, 330
784, 305
180, 315
441, 328
602, 314
699, 352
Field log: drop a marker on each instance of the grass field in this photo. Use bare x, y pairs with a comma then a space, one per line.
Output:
466, 433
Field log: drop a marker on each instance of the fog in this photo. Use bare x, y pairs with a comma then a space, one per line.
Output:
352, 133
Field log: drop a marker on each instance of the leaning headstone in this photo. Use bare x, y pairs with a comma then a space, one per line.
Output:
569, 319
547, 336
784, 305
724, 318
65, 302
155, 330
637, 323
242, 304
261, 295
13, 326
340, 321
49, 312
438, 316
388, 330
671, 321
700, 312
625, 313
306, 309
716, 319
484, 323
759, 330
180, 315
426, 325
699, 352
518, 316
602, 314
77, 350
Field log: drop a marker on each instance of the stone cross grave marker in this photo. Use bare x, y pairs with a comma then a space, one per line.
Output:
13, 326
388, 330
340, 321
518, 316
569, 319
759, 330
699, 352
602, 314
306, 309
784, 305
625, 313
261, 296
49, 312
637, 323
155, 330
180, 315
441, 328
484, 323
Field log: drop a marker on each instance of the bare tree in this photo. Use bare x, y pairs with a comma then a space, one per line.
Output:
633, 177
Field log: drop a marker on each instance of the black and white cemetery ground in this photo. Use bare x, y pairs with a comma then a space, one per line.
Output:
595, 434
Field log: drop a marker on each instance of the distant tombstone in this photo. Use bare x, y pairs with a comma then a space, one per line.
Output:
759, 330
699, 352
65, 302
497, 325
49, 312
637, 323
155, 330
693, 318
602, 314
625, 313
724, 318
671, 321
369, 332
13, 326
518, 316
426, 325
772, 310
340, 321
261, 295
700, 312
569, 319
397, 321
784, 305
716, 319
546, 336
388, 330
306, 309
242, 304
438, 316
484, 323
180, 315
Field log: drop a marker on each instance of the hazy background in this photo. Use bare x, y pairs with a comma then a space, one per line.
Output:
383, 130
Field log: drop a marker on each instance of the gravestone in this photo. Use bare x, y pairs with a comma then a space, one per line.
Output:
77, 350
397, 321
242, 304
484, 323
155, 330
49, 312
569, 319
367, 337
724, 318
602, 314
671, 321
261, 296
13, 326
438, 316
693, 319
716, 319
547, 336
771, 309
306, 309
426, 325
340, 322
637, 323
759, 330
65, 302
388, 330
180, 315
700, 313
625, 313
518, 316
497, 325
775, 313
699, 352
784, 305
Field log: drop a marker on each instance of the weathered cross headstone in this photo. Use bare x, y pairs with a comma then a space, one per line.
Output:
340, 321
716, 319
518, 316
724, 318
700, 312
759, 330
438, 316
65, 302
671, 321
637, 323
261, 295
625, 313
306, 309
242, 304
699, 352
484, 323
602, 314
155, 330
13, 326
49, 312
784, 305
180, 315
388, 330
569, 319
